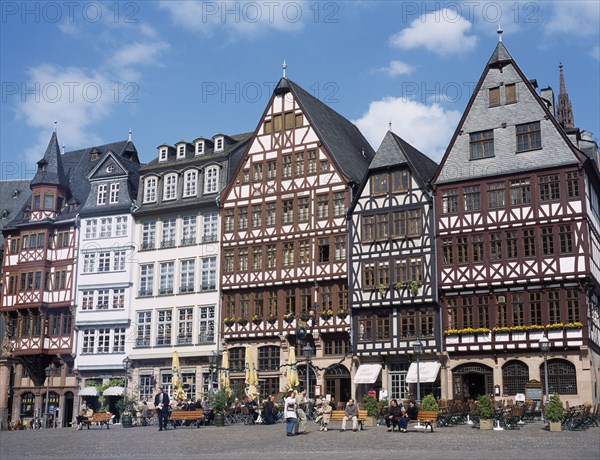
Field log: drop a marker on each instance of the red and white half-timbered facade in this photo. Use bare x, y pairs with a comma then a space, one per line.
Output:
284, 246
516, 206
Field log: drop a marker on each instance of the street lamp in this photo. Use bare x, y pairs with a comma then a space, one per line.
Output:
307, 351
126, 365
418, 349
213, 359
545, 347
49, 371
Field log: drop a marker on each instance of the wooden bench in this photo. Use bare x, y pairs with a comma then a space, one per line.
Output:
99, 417
428, 418
338, 415
196, 416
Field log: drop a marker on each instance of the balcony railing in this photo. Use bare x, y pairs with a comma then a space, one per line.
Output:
206, 338
184, 340
186, 289
208, 287
188, 241
145, 293
142, 343
209, 238
167, 244
147, 245
165, 291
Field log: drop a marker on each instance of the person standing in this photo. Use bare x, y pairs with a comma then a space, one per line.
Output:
161, 402
289, 404
301, 407
351, 413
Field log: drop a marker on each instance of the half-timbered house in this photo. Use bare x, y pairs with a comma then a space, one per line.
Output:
517, 224
392, 272
284, 256
39, 270
176, 301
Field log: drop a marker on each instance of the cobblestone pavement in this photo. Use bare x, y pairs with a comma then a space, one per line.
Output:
531, 442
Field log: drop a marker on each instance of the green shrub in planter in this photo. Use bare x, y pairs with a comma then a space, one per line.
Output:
429, 404
370, 405
554, 411
485, 407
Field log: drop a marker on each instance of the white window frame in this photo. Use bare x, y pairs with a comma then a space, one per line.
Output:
170, 187
210, 227
105, 227
119, 257
102, 194
87, 300
150, 185
188, 230
208, 274
169, 232
164, 327
219, 144
144, 328
166, 278
149, 234
200, 148
190, 183
163, 154
181, 151
118, 299
121, 226
103, 341
114, 192
185, 325
118, 342
89, 262
146, 279
91, 228
206, 324
103, 299
187, 276
211, 179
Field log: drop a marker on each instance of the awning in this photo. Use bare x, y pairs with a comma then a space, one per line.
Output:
428, 372
367, 373
89, 391
113, 391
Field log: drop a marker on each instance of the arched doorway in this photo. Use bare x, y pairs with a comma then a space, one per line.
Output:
472, 380
68, 409
338, 384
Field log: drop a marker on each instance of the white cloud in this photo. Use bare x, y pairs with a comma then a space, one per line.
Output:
242, 18
396, 68
443, 32
595, 53
137, 53
574, 17
426, 127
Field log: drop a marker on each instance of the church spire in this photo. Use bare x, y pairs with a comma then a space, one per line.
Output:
564, 112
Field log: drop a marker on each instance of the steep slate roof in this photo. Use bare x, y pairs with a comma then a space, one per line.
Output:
395, 151
53, 174
13, 196
341, 138
76, 165
499, 55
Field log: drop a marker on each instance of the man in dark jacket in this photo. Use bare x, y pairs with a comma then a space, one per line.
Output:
161, 402
392, 420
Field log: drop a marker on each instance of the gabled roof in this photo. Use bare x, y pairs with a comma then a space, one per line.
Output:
52, 173
13, 196
349, 149
395, 151
499, 56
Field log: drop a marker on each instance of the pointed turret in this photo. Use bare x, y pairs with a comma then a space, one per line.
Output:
50, 170
564, 112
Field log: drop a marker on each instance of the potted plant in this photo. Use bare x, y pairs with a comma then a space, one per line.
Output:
485, 410
370, 405
272, 319
342, 314
125, 405
219, 403
554, 412
288, 317
242, 321
326, 314
229, 322
382, 288
256, 320
429, 404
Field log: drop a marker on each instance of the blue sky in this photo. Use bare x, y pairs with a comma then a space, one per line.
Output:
180, 70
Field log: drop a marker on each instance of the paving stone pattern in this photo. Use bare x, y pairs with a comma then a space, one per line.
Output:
531, 442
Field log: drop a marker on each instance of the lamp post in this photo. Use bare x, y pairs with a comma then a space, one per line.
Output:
545, 347
418, 348
213, 359
49, 371
307, 351
126, 365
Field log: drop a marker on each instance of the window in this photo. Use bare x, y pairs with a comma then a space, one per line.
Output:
547, 241
180, 151
243, 218
510, 93
257, 258
167, 273
304, 252
89, 263
368, 228
339, 204
565, 236
208, 277
520, 192
163, 327
481, 144
495, 246
379, 184
211, 179
322, 206
496, 195
299, 165
27, 404
535, 307
190, 181
303, 209
401, 180
288, 254
103, 340
104, 261
150, 190
89, 338
105, 227
91, 227
382, 226
168, 233
162, 154
257, 172
170, 187
148, 235
529, 242
228, 260
268, 127
518, 308
102, 191
324, 166
187, 275
549, 187
245, 176
268, 358
119, 260
298, 120
462, 250
323, 250
572, 297
477, 248
237, 358
119, 340
146, 280
243, 259
271, 214
271, 169
209, 229
287, 167
206, 326
450, 201
229, 220
271, 256
188, 230
87, 300
288, 211
529, 137
562, 377
185, 323
199, 147
219, 144
312, 162
515, 375
118, 298
553, 307
573, 184
472, 198
447, 251
494, 95
121, 226
103, 299
340, 248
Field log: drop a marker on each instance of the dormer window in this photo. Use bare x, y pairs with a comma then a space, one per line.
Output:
211, 179
170, 187
94, 154
199, 147
15, 193
162, 154
4, 213
180, 151
150, 190
219, 144
102, 192
42, 166
49, 201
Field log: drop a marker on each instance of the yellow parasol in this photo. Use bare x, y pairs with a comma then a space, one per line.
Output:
225, 372
292, 370
176, 383
251, 377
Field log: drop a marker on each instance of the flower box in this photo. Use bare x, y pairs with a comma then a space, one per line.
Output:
467, 338
535, 335
519, 335
555, 334
574, 333
501, 336
451, 339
